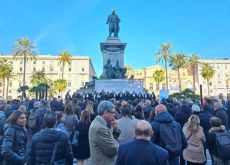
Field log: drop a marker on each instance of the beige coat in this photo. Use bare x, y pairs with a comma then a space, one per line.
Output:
103, 146
195, 150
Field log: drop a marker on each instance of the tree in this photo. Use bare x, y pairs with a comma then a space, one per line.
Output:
60, 85
128, 67
193, 61
24, 49
158, 76
38, 77
5, 74
163, 55
207, 72
63, 59
23, 89
178, 61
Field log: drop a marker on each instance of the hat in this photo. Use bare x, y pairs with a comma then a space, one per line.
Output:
195, 108
37, 104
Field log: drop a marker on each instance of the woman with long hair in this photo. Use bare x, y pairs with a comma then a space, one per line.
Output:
138, 112
194, 153
71, 119
82, 151
14, 140
89, 108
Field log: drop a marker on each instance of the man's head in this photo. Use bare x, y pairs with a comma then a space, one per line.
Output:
143, 130
218, 105
106, 109
160, 108
45, 104
50, 119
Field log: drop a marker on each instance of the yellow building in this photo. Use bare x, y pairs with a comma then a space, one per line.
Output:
77, 74
146, 74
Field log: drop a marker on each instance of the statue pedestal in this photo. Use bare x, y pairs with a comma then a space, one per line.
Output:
113, 49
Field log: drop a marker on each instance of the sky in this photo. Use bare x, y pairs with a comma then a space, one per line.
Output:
79, 26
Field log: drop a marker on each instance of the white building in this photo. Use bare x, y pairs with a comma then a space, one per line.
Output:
77, 74
220, 83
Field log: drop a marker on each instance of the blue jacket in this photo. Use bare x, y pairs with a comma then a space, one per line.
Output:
42, 144
141, 152
165, 117
14, 145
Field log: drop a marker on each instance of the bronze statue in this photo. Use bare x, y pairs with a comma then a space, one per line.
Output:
117, 70
108, 70
113, 21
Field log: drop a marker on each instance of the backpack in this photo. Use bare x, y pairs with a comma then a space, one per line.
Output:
32, 119
170, 139
223, 145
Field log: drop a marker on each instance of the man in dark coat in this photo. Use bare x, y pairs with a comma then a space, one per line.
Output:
221, 114
42, 144
163, 122
142, 151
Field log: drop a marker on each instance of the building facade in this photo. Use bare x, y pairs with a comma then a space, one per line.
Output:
77, 73
146, 74
220, 83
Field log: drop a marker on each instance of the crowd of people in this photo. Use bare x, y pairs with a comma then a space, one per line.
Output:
121, 129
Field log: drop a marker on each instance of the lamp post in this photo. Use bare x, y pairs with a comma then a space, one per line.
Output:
227, 81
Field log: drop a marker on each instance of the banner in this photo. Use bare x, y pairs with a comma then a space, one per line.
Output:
119, 85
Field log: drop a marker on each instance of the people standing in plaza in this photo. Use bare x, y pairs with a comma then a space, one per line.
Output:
168, 134
194, 153
42, 144
141, 151
127, 125
217, 128
14, 140
221, 114
71, 119
103, 145
82, 151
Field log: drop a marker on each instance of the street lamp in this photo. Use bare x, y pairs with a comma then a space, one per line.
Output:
227, 81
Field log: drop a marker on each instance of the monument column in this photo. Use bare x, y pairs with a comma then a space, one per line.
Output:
113, 49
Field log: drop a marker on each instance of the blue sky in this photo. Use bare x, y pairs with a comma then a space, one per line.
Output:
78, 26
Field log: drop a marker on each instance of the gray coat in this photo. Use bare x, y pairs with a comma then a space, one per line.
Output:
127, 127
103, 146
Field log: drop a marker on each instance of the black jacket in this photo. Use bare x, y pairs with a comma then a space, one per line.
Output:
222, 115
42, 144
14, 145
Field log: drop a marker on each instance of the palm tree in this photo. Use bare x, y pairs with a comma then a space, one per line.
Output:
38, 77
193, 63
60, 85
158, 76
24, 49
63, 59
163, 55
178, 61
207, 72
36, 90
5, 74
23, 89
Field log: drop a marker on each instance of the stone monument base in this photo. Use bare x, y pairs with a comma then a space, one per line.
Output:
119, 85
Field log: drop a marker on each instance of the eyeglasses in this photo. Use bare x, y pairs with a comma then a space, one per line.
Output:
113, 112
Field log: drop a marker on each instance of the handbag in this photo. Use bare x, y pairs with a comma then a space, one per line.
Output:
74, 136
57, 162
